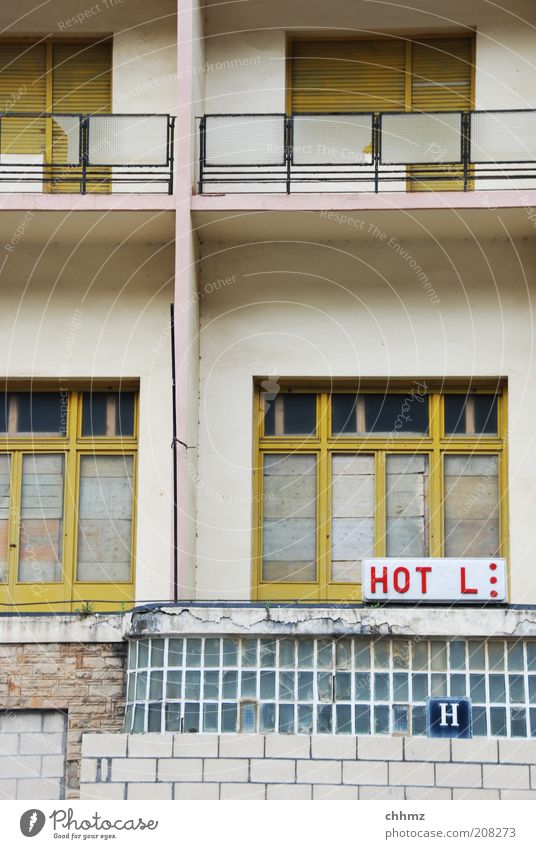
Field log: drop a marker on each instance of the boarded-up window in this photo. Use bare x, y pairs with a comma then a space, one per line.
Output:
105, 518
407, 505
41, 527
471, 505
352, 512
289, 528
5, 468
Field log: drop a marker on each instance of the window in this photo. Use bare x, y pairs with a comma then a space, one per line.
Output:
48, 76
344, 475
323, 685
67, 483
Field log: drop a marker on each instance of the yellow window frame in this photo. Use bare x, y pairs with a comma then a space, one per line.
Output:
436, 445
69, 594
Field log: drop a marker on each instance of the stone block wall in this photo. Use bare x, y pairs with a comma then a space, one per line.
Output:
83, 681
277, 766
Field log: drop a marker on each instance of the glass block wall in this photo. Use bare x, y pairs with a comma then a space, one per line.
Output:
326, 686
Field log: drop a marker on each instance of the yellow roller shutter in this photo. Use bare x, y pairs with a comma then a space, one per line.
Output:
81, 82
348, 76
441, 75
22, 89
441, 81
81, 78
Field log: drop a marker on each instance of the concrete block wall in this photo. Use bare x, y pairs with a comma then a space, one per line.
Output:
277, 766
85, 681
32, 754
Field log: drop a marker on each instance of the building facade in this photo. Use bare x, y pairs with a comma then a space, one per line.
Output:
339, 205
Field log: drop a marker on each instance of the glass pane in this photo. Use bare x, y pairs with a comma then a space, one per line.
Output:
476, 655
420, 687
343, 716
381, 719
230, 685
401, 654
156, 684
518, 722
325, 654
420, 655
496, 655
400, 719
362, 686
248, 685
531, 657
498, 721
210, 717
471, 506
286, 686
230, 653
400, 687
193, 652
458, 686
43, 413
362, 719
157, 652
173, 717
268, 685
343, 654
248, 718
324, 684
324, 719
305, 686
191, 717
516, 686
478, 688
267, 721
407, 505
480, 723
286, 719
289, 527
139, 719
211, 688
105, 518
305, 719
175, 652
418, 720
471, 414
287, 414
381, 653
457, 654
41, 526
5, 489
143, 653
286, 653
268, 648
392, 414
343, 413
305, 653
249, 653
174, 684
343, 686
192, 686
515, 657
212, 652
497, 688
362, 655
352, 512
381, 686
228, 717
108, 414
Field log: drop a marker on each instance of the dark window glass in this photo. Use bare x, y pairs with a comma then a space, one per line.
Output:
518, 722
498, 721
228, 717
343, 413
457, 686
362, 719
191, 717
533, 722
286, 719
34, 412
480, 725
108, 414
344, 719
478, 688
403, 413
289, 414
419, 720
473, 414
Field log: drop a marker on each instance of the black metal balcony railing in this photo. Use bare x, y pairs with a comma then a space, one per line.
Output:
366, 151
85, 153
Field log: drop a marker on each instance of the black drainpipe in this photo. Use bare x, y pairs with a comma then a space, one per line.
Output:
174, 447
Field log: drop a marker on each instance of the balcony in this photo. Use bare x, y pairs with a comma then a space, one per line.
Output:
367, 152
77, 153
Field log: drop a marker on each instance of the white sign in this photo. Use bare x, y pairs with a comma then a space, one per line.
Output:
437, 579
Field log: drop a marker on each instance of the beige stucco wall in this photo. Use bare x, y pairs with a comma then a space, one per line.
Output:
355, 309
99, 307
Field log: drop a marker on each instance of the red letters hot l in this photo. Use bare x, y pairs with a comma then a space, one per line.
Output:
464, 588
375, 580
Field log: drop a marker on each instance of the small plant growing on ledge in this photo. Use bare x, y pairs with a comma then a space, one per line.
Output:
86, 609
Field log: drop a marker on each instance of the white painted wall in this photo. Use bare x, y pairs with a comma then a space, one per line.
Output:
83, 308
355, 309
145, 68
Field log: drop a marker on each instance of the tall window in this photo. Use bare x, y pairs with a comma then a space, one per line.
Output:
342, 476
67, 483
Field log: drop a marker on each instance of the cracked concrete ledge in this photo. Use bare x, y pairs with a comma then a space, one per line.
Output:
99, 628
331, 621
